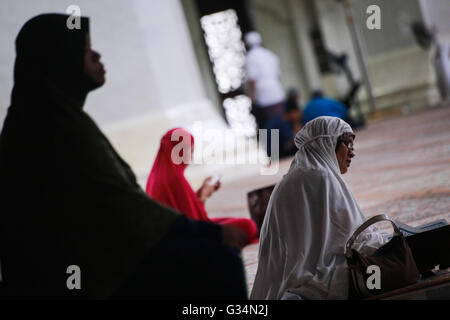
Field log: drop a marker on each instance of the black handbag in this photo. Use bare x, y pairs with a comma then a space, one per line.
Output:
394, 263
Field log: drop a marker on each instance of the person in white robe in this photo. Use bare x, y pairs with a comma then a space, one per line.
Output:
310, 216
442, 66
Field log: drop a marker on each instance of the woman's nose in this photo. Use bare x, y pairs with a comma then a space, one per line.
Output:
97, 56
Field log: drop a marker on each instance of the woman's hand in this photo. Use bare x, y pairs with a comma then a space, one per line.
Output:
234, 237
207, 189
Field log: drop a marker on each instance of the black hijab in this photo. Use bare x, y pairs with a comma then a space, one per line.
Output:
66, 197
47, 55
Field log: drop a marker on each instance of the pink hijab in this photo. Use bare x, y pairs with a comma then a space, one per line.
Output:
166, 182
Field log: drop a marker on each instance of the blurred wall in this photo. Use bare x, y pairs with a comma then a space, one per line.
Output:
396, 18
401, 72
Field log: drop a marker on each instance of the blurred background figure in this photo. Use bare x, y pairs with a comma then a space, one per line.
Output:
292, 110
320, 105
339, 63
427, 40
263, 75
288, 124
442, 63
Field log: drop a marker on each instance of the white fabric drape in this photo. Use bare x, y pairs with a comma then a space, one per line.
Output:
442, 65
310, 216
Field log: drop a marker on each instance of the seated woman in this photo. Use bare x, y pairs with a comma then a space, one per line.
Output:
168, 185
310, 216
288, 124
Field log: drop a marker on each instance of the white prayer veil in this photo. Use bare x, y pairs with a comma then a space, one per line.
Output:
252, 39
310, 216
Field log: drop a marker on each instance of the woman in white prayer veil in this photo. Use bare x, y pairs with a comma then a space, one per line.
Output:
310, 216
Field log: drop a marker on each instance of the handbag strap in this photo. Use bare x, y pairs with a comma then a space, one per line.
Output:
364, 226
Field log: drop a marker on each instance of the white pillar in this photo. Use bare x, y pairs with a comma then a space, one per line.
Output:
436, 13
301, 16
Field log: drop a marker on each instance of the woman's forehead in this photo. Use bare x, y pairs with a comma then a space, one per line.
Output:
347, 135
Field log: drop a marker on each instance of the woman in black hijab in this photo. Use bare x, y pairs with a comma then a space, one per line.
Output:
67, 198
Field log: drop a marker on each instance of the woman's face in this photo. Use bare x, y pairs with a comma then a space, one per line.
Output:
344, 154
92, 65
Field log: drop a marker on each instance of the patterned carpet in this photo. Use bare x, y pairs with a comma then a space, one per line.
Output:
401, 168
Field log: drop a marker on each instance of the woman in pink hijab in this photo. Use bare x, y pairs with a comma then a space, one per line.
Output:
168, 185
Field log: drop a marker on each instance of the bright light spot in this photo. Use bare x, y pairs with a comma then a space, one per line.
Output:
237, 110
226, 51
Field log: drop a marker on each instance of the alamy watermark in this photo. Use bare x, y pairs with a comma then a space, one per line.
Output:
374, 20
74, 280
225, 147
74, 21
374, 280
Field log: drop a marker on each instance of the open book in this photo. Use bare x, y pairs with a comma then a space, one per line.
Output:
408, 230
